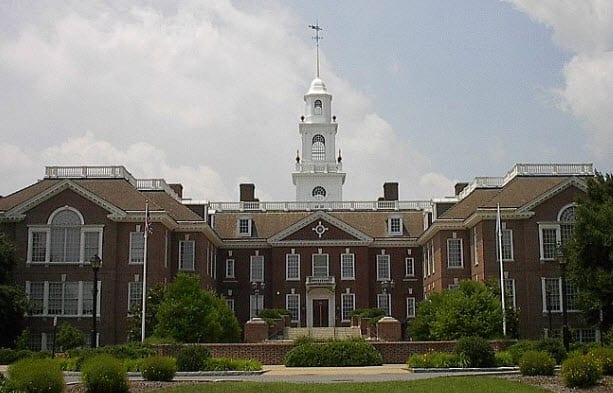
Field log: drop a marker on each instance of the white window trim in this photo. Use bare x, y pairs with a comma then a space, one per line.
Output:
352, 295
296, 295
80, 299
327, 265
476, 245
47, 230
389, 225
249, 227
181, 262
230, 262
411, 300
388, 262
542, 227
130, 293
512, 257
562, 300
387, 296
230, 304
287, 277
253, 259
409, 261
344, 277
512, 280
130, 259
461, 253
252, 299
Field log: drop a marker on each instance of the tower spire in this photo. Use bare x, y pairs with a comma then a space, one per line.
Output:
317, 37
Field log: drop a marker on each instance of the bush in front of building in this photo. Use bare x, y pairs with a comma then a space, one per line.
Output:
159, 368
580, 371
192, 358
36, 376
227, 364
554, 347
69, 337
537, 363
122, 351
8, 356
604, 357
504, 359
475, 352
338, 353
433, 360
104, 374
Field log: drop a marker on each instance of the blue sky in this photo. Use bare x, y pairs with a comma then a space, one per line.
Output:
209, 94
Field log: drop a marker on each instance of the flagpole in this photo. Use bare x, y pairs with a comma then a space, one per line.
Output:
502, 295
144, 304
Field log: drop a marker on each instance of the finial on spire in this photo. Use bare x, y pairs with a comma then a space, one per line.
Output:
317, 37
297, 157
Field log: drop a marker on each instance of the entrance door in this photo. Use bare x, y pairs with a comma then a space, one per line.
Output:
320, 313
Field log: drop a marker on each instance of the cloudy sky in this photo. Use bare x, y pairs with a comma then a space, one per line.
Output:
209, 93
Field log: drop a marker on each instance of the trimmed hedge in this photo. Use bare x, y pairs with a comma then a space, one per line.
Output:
36, 376
475, 352
159, 368
537, 363
124, 351
343, 353
433, 360
192, 358
580, 371
227, 364
104, 374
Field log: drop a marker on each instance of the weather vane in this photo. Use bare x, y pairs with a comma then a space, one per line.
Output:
317, 37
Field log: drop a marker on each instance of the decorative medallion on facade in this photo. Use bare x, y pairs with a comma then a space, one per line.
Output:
320, 229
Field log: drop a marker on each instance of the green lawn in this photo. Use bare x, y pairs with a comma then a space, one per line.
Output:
443, 385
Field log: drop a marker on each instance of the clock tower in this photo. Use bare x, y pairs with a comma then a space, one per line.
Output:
318, 175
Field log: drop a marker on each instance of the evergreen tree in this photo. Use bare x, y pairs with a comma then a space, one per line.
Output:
13, 300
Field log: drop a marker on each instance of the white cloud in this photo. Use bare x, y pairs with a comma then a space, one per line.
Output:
586, 29
206, 94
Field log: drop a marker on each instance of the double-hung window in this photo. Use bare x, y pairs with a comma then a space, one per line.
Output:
61, 298
409, 267
320, 265
383, 268
394, 225
135, 296
292, 267
187, 255
383, 302
244, 226
509, 292
552, 295
507, 245
455, 256
292, 304
347, 267
230, 268
256, 268
410, 307
347, 305
137, 247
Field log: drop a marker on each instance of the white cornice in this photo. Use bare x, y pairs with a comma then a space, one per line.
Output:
319, 243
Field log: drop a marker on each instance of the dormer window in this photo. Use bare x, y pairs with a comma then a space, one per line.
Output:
317, 107
394, 225
244, 226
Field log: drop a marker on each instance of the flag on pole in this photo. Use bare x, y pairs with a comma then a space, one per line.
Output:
499, 249
148, 226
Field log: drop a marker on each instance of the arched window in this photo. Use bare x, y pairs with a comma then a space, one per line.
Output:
567, 219
317, 107
66, 236
318, 149
319, 193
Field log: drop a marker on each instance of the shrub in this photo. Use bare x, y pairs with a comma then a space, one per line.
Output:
334, 354
475, 352
504, 359
607, 337
124, 351
580, 371
133, 365
517, 350
159, 368
434, 360
192, 358
554, 347
227, 364
604, 357
36, 375
536, 363
303, 340
69, 337
104, 374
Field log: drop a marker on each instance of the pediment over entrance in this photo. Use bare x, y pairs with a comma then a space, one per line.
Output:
320, 227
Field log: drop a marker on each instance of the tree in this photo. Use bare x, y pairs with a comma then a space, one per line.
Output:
190, 314
155, 296
69, 337
591, 251
471, 310
14, 303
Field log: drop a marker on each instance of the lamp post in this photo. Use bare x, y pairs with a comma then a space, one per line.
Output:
257, 287
96, 263
562, 260
386, 288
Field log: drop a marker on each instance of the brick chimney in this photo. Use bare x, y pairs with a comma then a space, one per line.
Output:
178, 188
247, 192
390, 191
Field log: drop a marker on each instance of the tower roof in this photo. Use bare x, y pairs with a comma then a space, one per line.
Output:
317, 87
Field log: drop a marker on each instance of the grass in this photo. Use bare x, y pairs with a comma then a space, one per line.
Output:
459, 384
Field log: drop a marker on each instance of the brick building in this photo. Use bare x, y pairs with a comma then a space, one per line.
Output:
319, 256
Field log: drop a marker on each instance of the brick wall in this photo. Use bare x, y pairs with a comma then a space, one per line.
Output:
274, 352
